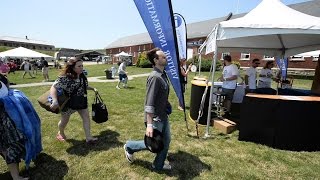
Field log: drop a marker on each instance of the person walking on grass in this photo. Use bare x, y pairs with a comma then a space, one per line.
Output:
26, 66
73, 82
45, 69
156, 109
123, 78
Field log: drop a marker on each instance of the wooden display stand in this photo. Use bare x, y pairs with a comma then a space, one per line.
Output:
315, 89
224, 125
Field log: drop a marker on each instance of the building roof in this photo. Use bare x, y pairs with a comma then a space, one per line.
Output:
94, 53
24, 40
203, 28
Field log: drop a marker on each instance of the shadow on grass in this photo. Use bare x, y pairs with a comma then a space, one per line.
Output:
107, 139
184, 165
129, 87
44, 167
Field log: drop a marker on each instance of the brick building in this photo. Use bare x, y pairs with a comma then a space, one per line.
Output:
197, 34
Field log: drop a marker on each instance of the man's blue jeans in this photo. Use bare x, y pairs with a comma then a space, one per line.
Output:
135, 146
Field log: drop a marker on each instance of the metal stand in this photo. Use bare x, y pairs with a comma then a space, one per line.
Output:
218, 103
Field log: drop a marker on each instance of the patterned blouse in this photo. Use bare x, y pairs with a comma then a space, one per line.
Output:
72, 86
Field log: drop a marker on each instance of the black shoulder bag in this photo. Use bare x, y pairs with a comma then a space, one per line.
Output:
99, 110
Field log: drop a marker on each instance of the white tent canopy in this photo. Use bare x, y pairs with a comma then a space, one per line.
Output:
271, 28
122, 54
23, 52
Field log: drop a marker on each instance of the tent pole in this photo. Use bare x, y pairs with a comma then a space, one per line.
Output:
215, 57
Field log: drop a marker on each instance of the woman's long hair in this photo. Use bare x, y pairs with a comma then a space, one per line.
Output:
68, 69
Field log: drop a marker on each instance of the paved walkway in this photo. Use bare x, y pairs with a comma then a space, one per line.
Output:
90, 79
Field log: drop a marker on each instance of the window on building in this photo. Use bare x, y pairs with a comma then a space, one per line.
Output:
5, 44
139, 48
245, 56
297, 58
119, 50
268, 58
224, 54
144, 47
33, 47
45, 47
110, 51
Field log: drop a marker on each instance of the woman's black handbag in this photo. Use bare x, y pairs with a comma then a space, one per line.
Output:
99, 110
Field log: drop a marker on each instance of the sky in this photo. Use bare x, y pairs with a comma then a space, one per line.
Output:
94, 24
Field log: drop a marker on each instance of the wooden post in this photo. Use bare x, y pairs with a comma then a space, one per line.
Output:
315, 89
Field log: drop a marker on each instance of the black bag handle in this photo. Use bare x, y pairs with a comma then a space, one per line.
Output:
98, 98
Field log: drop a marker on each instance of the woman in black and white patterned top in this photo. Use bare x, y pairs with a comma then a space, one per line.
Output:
72, 82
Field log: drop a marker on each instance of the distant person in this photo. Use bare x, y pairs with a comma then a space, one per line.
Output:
99, 59
266, 75
183, 77
251, 76
26, 66
123, 77
45, 69
34, 67
73, 82
4, 68
156, 111
229, 78
13, 66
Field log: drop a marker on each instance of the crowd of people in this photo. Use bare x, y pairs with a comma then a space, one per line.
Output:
29, 67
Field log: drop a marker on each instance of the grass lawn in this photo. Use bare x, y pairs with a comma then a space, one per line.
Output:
219, 157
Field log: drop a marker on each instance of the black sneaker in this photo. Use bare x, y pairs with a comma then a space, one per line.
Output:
129, 156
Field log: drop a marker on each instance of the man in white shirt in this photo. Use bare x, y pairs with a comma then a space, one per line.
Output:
229, 78
251, 76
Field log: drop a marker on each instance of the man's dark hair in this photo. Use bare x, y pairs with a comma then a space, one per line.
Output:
227, 58
153, 54
255, 60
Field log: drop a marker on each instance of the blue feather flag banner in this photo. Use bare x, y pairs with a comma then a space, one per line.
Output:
283, 66
158, 18
181, 33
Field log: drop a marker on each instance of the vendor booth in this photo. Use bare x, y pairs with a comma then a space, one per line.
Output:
280, 34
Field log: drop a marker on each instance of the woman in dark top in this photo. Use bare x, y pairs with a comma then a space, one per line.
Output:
183, 77
72, 82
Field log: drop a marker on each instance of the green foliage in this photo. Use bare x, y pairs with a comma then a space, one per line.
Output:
143, 61
205, 63
237, 63
4, 48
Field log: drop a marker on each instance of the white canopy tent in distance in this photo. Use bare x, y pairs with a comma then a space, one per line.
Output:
22, 52
272, 29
